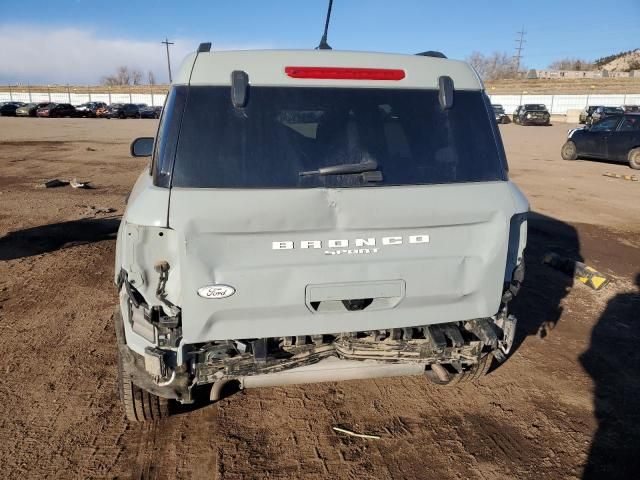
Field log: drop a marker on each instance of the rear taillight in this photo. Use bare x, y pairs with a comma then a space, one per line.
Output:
341, 73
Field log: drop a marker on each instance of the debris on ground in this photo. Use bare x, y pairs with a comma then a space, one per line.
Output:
92, 209
581, 272
354, 434
54, 183
631, 178
76, 184
91, 149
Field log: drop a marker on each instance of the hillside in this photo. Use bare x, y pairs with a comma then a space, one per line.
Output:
578, 86
620, 62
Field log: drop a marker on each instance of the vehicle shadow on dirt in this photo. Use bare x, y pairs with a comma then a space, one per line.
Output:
47, 238
538, 305
613, 362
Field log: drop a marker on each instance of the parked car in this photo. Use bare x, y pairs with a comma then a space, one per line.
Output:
601, 113
615, 138
631, 108
266, 247
501, 116
57, 110
89, 109
142, 105
103, 112
532, 114
8, 109
151, 112
127, 110
585, 114
30, 109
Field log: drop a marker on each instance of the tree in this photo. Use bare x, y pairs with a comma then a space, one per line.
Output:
136, 77
151, 78
572, 64
123, 76
497, 66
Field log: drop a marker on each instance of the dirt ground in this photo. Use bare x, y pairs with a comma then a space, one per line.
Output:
565, 405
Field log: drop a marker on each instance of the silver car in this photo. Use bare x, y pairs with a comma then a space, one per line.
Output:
314, 216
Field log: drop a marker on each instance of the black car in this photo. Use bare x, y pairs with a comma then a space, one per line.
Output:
127, 110
89, 109
57, 110
532, 114
150, 112
501, 116
601, 113
8, 109
615, 138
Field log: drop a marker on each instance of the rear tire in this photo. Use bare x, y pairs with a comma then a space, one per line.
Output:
475, 373
634, 158
569, 151
139, 404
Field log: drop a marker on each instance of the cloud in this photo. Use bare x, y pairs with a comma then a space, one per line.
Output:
39, 54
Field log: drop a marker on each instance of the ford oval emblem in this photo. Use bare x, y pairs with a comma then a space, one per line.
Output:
216, 291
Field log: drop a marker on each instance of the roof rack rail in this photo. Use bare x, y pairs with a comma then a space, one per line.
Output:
204, 47
432, 53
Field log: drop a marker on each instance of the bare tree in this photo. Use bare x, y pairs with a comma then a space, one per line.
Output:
497, 66
572, 64
123, 76
136, 77
151, 78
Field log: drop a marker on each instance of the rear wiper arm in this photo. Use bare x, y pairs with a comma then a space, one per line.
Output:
346, 168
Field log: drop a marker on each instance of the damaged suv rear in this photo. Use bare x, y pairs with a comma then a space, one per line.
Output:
316, 216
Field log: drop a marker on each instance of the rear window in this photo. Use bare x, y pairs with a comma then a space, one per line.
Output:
283, 131
535, 107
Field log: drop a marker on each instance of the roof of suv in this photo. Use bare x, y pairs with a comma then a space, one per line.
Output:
267, 68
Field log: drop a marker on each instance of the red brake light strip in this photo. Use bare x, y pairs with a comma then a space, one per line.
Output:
342, 73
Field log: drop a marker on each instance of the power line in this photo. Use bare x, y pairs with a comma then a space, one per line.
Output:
519, 41
167, 43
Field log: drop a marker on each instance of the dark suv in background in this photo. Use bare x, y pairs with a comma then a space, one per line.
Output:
127, 110
89, 109
532, 114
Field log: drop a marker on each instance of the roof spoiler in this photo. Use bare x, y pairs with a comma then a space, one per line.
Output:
432, 53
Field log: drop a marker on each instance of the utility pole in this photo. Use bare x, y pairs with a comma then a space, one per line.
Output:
519, 41
167, 43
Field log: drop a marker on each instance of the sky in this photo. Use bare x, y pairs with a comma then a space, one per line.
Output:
80, 41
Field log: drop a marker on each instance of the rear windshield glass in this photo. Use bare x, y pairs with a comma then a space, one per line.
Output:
284, 131
535, 107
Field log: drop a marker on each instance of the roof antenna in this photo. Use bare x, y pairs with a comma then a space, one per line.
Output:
323, 41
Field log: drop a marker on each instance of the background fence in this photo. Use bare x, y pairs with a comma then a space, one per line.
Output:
557, 104
77, 96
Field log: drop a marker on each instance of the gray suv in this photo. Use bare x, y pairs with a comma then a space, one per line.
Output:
313, 216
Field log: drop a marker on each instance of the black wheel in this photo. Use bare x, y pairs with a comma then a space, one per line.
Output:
634, 158
122, 116
440, 375
569, 151
139, 404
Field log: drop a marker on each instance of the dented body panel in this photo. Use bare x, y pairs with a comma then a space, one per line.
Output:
457, 275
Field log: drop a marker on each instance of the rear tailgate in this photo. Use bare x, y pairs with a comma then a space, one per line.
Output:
439, 256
